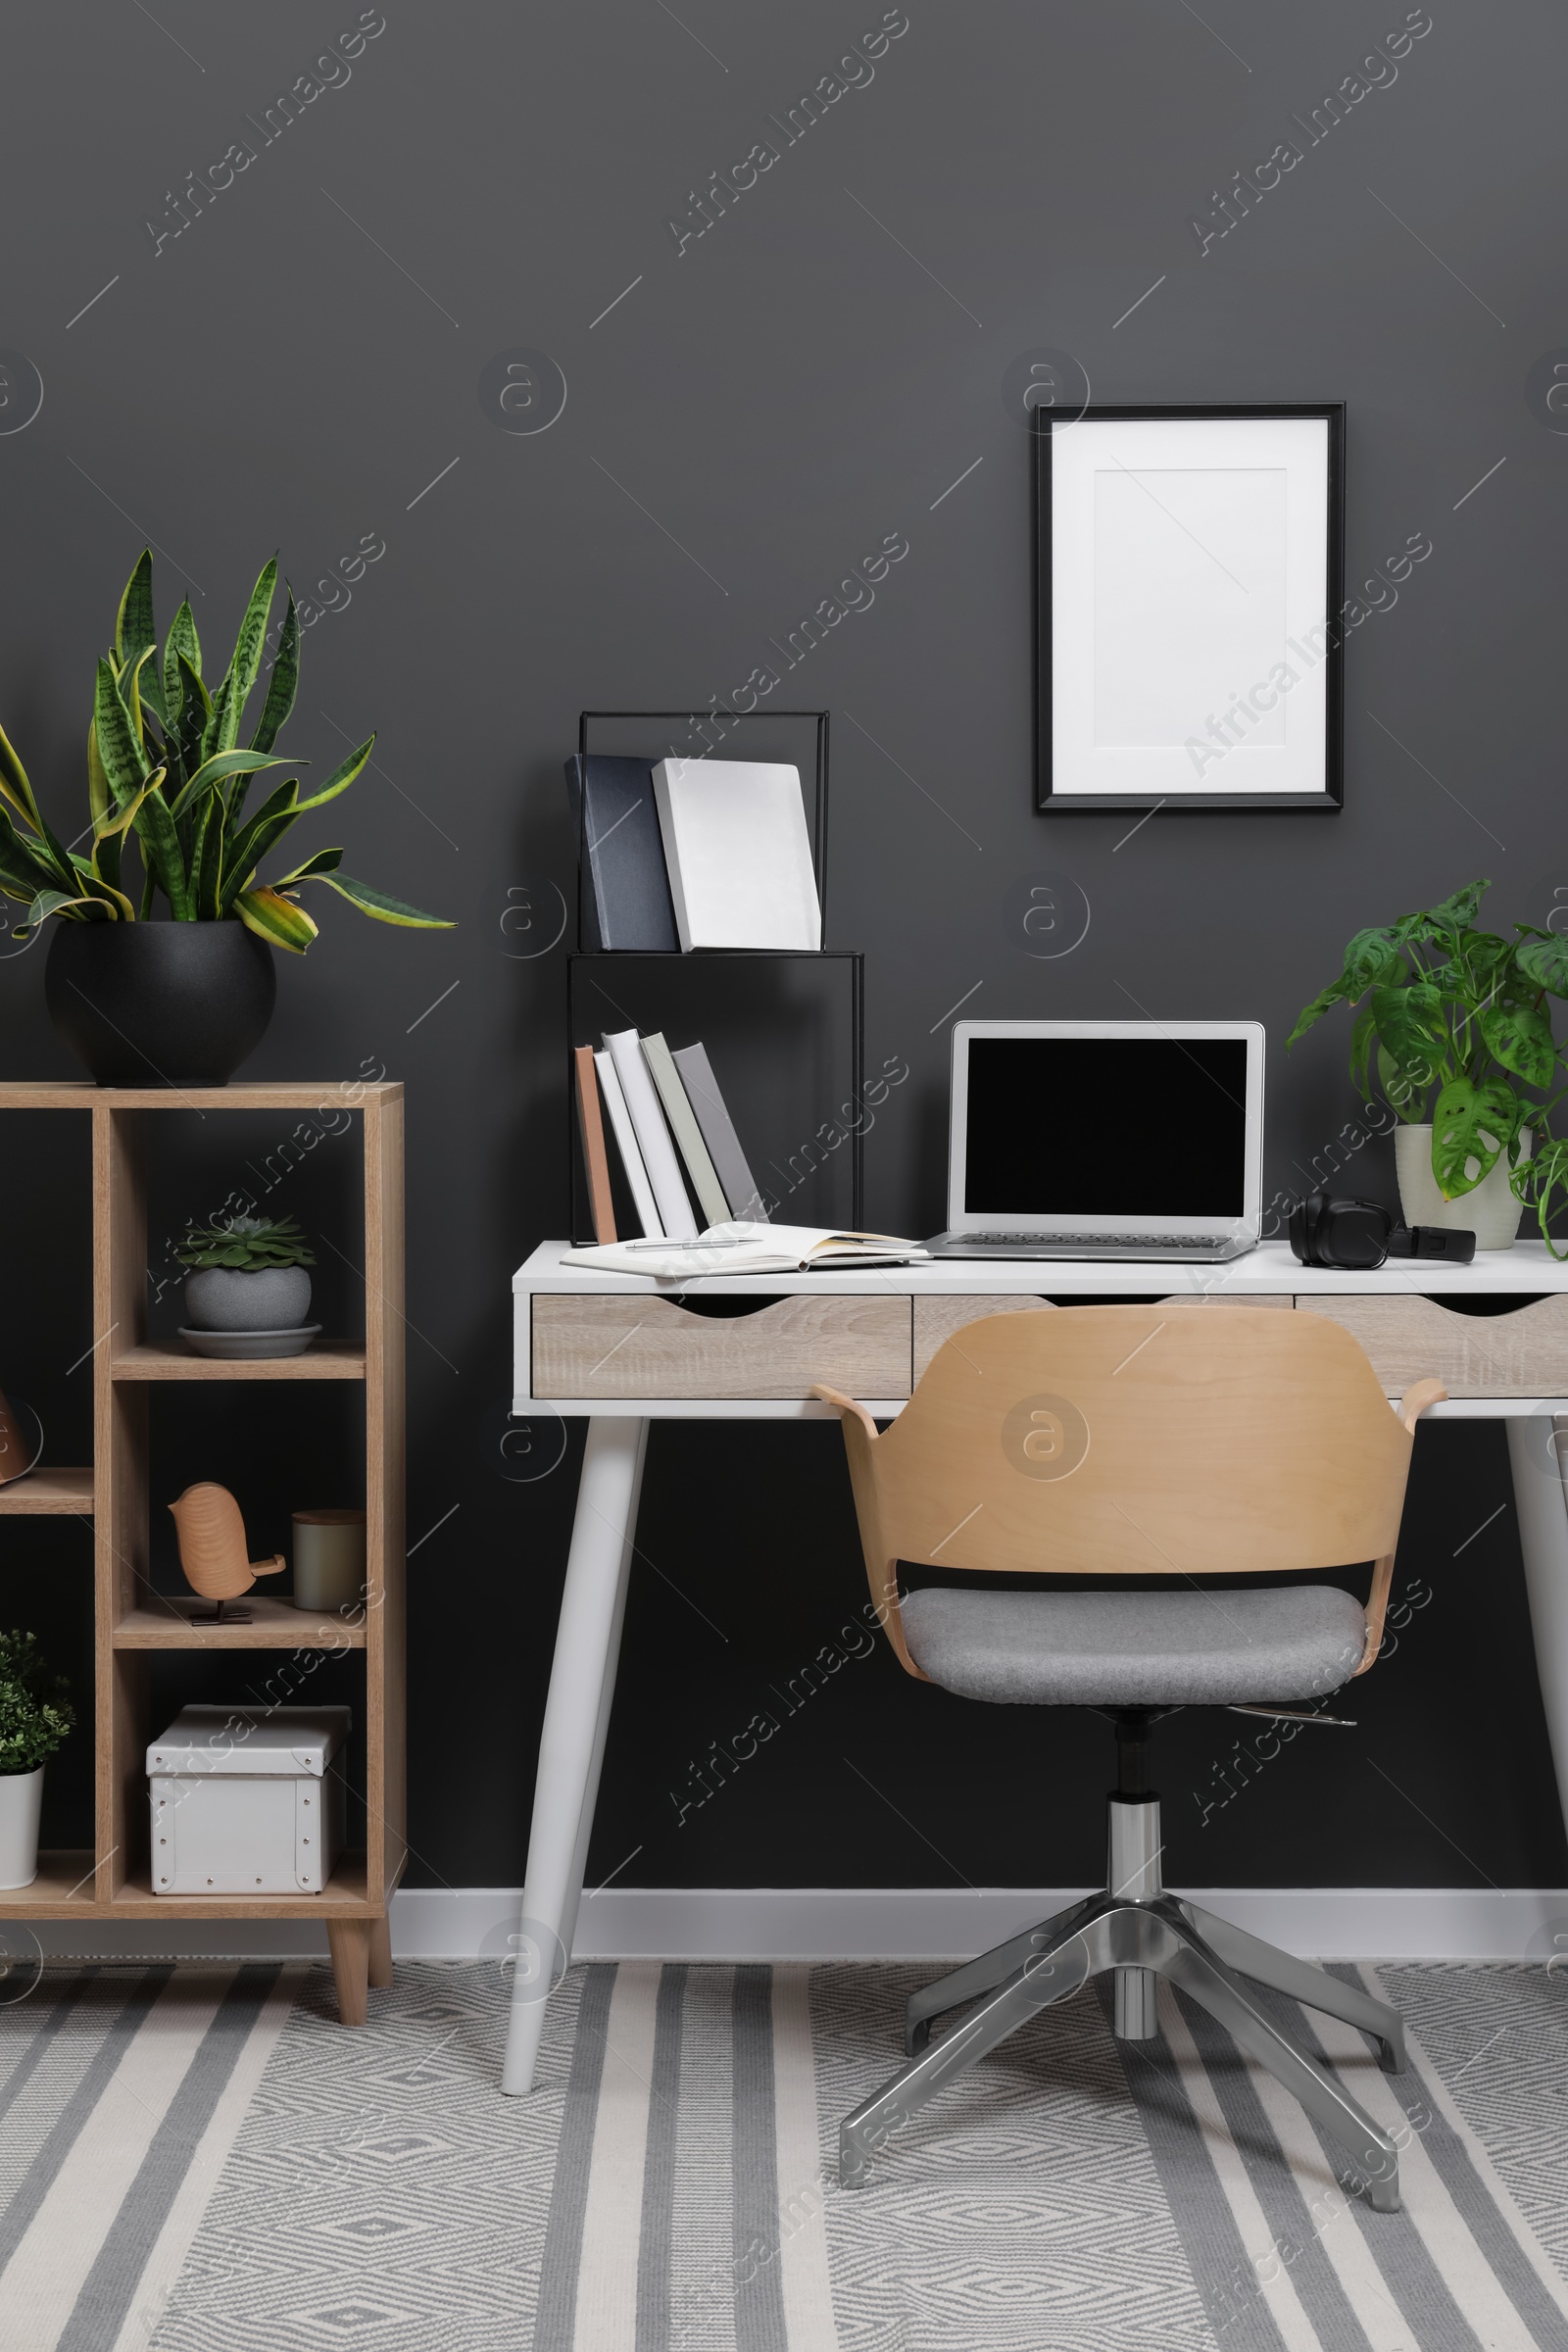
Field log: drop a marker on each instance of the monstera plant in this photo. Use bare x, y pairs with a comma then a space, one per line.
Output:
1457, 1023
153, 1001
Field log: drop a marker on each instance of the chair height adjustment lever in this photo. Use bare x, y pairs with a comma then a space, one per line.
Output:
1347, 1723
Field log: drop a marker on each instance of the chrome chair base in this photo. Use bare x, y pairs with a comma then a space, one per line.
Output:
1141, 1931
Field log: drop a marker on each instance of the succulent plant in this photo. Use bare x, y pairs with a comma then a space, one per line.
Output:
35, 1713
164, 762
247, 1245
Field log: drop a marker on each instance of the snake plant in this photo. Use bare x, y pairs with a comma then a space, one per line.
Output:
164, 763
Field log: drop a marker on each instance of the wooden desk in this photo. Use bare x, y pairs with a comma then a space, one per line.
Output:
623, 1351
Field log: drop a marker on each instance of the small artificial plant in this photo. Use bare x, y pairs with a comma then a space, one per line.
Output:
247, 1245
1461, 1027
35, 1713
165, 764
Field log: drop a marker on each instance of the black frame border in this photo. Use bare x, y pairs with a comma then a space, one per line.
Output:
1331, 798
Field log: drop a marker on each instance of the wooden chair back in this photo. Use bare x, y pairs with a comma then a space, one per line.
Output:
1174, 1439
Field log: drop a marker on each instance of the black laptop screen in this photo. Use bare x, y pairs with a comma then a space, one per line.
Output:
1106, 1127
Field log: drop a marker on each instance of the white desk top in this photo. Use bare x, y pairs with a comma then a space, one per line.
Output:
1528, 1268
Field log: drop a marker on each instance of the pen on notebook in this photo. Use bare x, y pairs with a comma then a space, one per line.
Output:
692, 1248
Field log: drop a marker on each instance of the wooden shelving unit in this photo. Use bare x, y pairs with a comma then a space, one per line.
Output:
62, 1494
133, 1621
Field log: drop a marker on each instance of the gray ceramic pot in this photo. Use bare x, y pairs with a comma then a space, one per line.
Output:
222, 1299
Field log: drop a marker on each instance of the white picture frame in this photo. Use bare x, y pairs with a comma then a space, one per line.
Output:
1188, 591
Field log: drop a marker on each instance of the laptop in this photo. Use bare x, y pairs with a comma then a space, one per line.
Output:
1105, 1139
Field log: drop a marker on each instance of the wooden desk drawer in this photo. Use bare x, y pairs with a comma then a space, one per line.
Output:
1521, 1354
936, 1319
655, 1347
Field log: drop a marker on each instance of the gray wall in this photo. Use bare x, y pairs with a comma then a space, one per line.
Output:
301, 367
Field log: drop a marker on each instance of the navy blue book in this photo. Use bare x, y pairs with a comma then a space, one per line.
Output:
626, 902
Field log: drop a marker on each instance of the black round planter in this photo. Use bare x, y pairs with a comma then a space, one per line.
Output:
160, 1003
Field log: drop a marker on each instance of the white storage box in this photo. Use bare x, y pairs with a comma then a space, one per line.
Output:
242, 1800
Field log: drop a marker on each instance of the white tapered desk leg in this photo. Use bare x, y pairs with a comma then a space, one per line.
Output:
572, 1746
590, 1795
1534, 1448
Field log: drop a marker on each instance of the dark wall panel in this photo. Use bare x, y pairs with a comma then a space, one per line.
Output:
311, 361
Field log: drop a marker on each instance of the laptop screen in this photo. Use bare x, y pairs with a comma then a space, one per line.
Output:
1136, 1127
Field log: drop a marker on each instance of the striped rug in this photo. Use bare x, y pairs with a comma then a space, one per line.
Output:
199, 2161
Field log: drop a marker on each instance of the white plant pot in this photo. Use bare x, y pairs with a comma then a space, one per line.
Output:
20, 1800
1491, 1212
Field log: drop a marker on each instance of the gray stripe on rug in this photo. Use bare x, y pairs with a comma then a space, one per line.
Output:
1416, 2285
100, 2308
1452, 2161
758, 2293
19, 2214
42, 2037
703, 2230
1291, 2227
1222, 2270
657, 2239
556, 2315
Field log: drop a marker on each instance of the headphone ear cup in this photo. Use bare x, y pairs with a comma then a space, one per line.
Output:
1312, 1228
1353, 1235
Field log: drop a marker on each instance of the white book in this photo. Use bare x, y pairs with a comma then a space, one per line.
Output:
653, 1136
743, 1245
632, 1158
738, 852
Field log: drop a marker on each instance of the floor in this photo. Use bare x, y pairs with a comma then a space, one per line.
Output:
203, 2162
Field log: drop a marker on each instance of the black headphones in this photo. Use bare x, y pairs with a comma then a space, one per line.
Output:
1356, 1236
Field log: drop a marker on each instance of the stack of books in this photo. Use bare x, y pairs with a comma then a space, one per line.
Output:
685, 853
663, 1117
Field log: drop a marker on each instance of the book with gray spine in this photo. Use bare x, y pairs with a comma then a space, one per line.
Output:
683, 1124
741, 1189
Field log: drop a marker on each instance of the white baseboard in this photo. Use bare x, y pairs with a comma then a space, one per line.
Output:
922, 1923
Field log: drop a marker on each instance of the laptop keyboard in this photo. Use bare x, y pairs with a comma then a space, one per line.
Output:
1100, 1241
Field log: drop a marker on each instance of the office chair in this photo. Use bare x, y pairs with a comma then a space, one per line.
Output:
1177, 1440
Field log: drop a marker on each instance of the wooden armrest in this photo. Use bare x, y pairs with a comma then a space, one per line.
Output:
272, 1567
882, 1573
1412, 1404
846, 1404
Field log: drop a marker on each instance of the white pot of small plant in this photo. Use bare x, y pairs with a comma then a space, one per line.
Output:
35, 1717
247, 1276
1491, 1211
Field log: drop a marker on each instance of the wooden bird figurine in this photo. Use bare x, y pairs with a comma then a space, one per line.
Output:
213, 1550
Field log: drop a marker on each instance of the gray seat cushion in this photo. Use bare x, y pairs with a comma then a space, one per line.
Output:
1133, 1649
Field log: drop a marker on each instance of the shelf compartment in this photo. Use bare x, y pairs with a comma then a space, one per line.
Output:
165, 1624
63, 1493
333, 1359
346, 1895
63, 1888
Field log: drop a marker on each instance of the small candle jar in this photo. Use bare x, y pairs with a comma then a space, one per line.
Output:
328, 1560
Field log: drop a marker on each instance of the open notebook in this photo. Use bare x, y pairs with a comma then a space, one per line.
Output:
745, 1247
